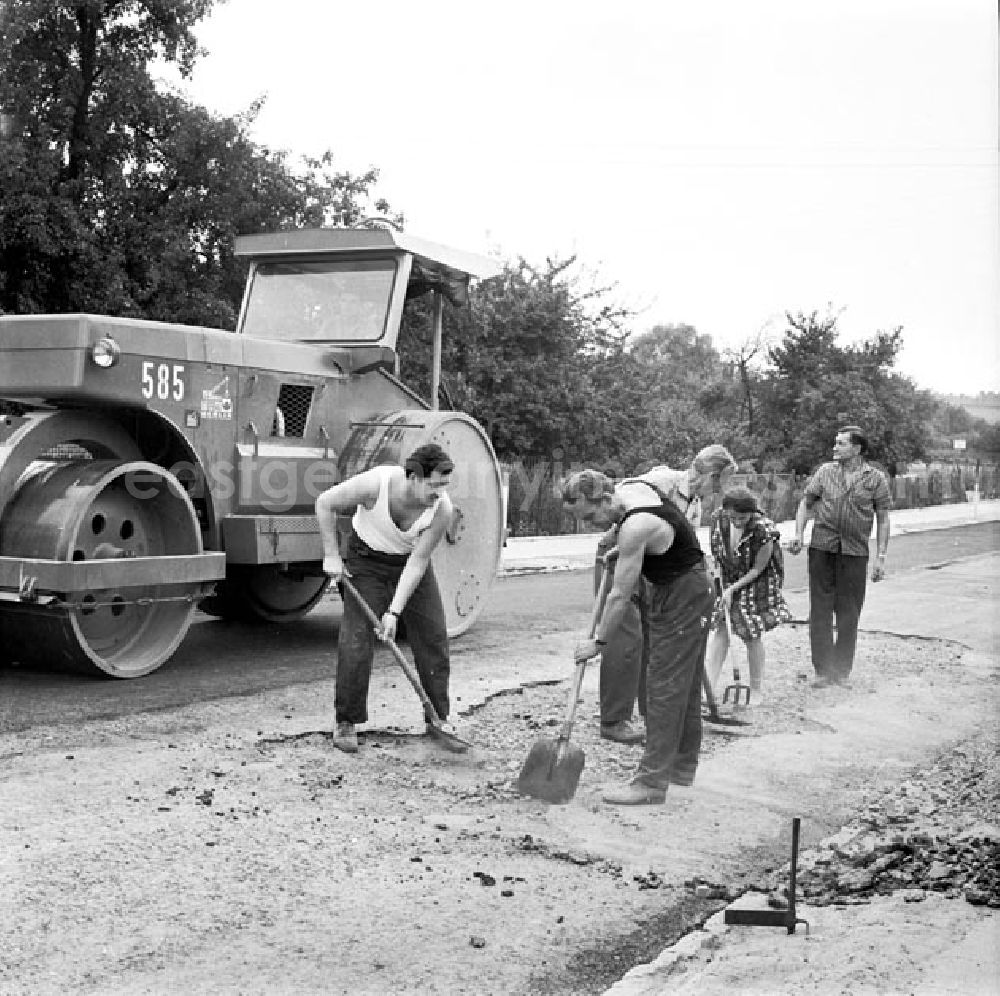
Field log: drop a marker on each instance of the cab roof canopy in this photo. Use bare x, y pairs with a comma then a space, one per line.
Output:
433, 266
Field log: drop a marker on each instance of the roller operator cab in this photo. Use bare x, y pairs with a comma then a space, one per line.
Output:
148, 468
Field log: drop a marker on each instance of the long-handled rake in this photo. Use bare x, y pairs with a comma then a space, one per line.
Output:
449, 739
718, 648
737, 689
714, 717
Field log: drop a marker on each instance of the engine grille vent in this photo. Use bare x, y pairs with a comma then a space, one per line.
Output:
294, 401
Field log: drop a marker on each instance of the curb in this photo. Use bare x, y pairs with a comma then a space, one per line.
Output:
575, 552
659, 976
709, 936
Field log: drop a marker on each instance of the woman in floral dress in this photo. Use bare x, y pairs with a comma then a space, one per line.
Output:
747, 554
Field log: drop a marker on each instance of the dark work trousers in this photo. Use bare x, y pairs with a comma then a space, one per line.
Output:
679, 618
624, 658
375, 576
836, 590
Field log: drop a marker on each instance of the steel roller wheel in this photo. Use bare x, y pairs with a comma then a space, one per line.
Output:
264, 593
465, 563
100, 510
49, 435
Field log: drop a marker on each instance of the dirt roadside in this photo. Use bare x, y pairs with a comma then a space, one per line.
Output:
903, 899
228, 848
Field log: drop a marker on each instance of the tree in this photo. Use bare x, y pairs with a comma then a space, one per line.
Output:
987, 438
747, 362
816, 386
522, 358
119, 197
688, 391
680, 351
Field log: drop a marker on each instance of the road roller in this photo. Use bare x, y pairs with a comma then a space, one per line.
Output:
149, 469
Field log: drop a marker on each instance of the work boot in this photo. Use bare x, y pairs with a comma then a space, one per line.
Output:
683, 778
635, 794
622, 732
823, 682
346, 739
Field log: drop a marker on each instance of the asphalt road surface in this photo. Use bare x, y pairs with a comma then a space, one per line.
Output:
220, 660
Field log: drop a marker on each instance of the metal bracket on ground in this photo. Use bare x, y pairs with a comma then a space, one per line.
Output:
774, 918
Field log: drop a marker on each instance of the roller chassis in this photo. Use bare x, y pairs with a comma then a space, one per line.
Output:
152, 468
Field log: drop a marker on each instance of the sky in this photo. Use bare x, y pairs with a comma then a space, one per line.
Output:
719, 162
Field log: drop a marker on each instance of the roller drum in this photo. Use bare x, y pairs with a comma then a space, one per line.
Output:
99, 510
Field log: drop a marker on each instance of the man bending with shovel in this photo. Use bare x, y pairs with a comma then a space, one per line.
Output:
400, 515
623, 660
655, 543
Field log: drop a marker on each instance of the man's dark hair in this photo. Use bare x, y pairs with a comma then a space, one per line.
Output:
424, 460
589, 484
858, 437
740, 499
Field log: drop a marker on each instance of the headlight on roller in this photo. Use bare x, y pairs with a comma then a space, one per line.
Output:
105, 352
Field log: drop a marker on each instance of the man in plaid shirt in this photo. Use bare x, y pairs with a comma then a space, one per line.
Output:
843, 497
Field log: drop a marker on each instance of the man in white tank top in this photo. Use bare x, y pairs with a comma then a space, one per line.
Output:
399, 515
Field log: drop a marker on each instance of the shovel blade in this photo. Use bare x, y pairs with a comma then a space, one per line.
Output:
448, 738
551, 771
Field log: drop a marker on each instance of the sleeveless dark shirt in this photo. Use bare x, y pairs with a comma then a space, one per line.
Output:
685, 551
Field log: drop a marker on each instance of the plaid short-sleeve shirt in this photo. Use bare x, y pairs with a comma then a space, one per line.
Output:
845, 505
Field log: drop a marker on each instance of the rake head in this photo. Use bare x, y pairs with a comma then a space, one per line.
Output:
737, 692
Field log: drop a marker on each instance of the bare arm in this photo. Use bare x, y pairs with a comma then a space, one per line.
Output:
339, 500
881, 543
760, 563
802, 514
416, 564
632, 540
627, 572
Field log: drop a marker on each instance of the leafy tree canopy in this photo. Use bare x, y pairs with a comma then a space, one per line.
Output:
119, 197
521, 357
815, 385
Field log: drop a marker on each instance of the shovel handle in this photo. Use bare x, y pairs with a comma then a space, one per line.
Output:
727, 622
602, 597
407, 667
736, 664
717, 587
737, 687
581, 667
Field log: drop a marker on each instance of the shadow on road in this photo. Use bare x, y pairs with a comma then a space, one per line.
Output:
218, 659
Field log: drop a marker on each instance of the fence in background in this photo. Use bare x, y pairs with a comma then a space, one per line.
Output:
534, 508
